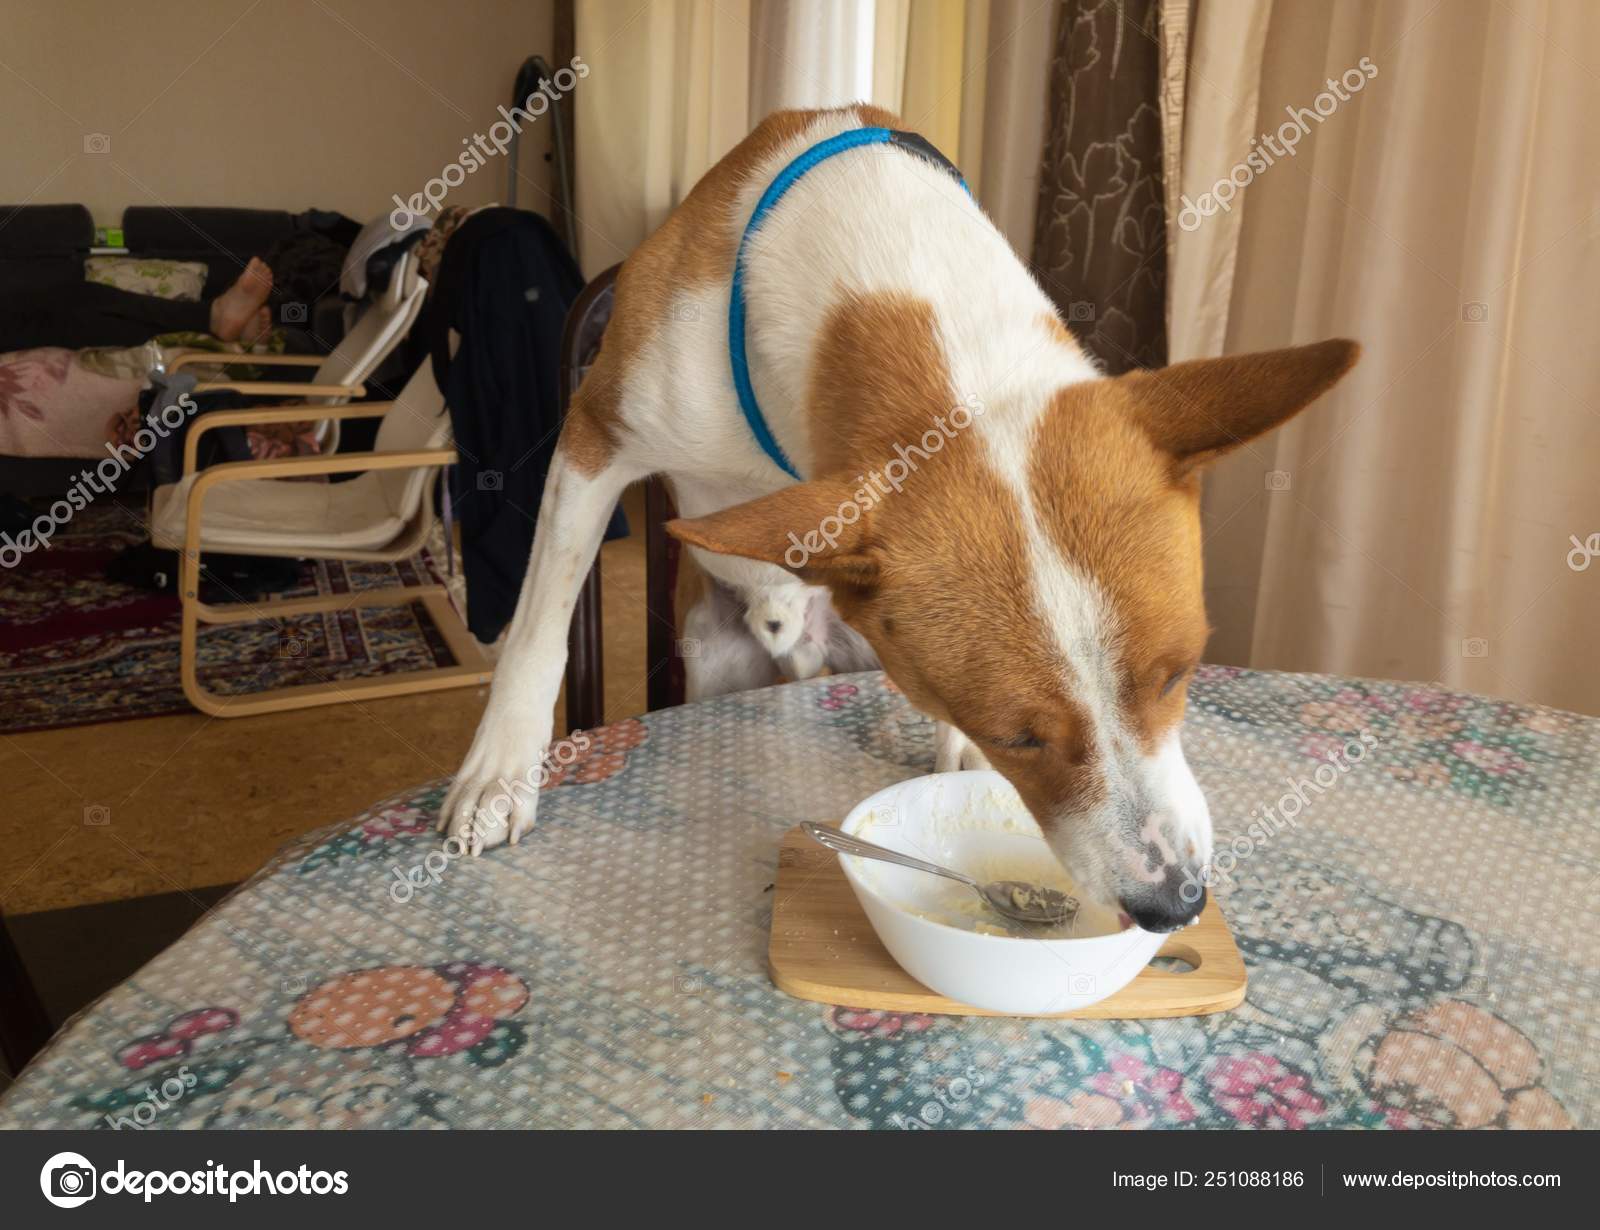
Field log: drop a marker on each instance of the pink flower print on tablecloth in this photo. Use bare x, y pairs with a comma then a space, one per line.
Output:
395, 820
879, 1024
838, 696
488, 995
1144, 1090
178, 1038
1260, 1092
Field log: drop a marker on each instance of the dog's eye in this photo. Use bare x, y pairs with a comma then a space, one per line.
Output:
1173, 681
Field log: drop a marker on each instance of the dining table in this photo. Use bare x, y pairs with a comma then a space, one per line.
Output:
1418, 922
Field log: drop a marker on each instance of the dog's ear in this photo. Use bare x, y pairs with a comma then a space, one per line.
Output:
1199, 410
817, 530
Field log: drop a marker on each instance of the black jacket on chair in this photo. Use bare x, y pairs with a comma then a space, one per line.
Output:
504, 284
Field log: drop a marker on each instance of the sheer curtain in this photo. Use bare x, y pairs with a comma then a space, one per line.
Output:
674, 84
668, 93
1431, 518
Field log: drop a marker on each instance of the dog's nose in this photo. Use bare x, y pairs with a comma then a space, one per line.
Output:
774, 625
1166, 907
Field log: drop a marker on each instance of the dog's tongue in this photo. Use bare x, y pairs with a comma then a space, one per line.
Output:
1125, 920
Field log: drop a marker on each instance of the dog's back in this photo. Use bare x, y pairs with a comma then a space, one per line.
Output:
871, 224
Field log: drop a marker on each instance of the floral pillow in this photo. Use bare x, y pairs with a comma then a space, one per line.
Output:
183, 280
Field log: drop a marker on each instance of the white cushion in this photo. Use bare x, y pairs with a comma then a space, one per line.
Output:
302, 515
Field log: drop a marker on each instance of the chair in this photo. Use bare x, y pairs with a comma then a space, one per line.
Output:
384, 514
664, 680
339, 375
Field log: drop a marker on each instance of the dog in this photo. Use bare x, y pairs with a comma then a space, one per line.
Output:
846, 375
744, 641
776, 616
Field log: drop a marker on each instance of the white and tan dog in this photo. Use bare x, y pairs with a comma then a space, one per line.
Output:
1033, 583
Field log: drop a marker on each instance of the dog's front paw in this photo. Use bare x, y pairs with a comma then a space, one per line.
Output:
971, 757
495, 796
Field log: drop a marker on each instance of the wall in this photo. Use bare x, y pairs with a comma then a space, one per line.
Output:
282, 104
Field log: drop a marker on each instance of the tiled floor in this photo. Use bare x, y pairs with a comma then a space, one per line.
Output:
168, 804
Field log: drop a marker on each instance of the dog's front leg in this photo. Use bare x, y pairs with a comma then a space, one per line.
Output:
952, 750
495, 795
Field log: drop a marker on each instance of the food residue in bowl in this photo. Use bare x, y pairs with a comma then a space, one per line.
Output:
990, 838
1036, 900
988, 856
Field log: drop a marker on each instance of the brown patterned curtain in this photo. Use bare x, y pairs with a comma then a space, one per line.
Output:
1099, 247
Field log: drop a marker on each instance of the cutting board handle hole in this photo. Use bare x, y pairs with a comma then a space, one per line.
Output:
1175, 963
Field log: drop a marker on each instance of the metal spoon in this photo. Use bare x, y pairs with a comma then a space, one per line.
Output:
1024, 903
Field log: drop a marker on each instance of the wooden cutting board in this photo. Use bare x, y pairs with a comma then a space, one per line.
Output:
824, 949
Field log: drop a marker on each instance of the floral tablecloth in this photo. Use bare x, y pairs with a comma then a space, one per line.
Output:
1419, 924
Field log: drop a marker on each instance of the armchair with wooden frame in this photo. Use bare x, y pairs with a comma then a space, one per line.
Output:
179, 522
384, 514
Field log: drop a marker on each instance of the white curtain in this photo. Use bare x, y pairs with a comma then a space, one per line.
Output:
1221, 80
674, 84
668, 93
1420, 522
809, 53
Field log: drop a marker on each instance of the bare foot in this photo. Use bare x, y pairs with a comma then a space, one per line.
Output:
240, 306
258, 328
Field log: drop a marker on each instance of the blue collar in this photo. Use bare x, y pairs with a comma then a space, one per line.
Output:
819, 152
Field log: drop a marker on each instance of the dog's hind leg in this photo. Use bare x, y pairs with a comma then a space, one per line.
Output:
495, 795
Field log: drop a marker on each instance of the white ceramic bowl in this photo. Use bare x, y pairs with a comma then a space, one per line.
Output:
975, 823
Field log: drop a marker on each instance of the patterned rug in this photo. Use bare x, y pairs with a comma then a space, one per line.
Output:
77, 647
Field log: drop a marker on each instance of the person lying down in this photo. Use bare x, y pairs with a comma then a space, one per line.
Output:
57, 401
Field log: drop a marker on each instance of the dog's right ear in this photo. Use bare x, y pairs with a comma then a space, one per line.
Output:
817, 530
